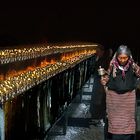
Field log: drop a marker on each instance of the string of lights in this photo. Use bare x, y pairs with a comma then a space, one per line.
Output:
14, 85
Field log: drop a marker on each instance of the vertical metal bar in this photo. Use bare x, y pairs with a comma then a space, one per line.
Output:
1, 124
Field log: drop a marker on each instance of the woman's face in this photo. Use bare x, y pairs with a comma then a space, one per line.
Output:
122, 58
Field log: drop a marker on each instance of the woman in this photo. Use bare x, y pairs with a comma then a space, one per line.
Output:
120, 94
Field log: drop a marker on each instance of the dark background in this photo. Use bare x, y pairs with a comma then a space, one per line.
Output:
108, 23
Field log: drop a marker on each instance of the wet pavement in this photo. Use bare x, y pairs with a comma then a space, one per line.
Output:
78, 123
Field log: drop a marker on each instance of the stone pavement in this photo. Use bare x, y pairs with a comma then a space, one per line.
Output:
79, 125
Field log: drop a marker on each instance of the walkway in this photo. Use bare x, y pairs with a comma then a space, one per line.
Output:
79, 126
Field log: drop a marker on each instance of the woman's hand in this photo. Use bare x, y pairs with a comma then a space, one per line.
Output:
104, 80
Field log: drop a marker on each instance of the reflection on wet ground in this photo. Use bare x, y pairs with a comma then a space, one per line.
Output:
79, 124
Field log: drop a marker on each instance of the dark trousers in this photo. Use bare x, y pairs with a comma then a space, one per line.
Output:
121, 137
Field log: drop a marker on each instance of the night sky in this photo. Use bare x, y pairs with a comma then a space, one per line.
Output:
109, 24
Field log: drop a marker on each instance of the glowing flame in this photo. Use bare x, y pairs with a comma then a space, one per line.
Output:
71, 56
14, 73
15, 81
46, 62
1, 77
